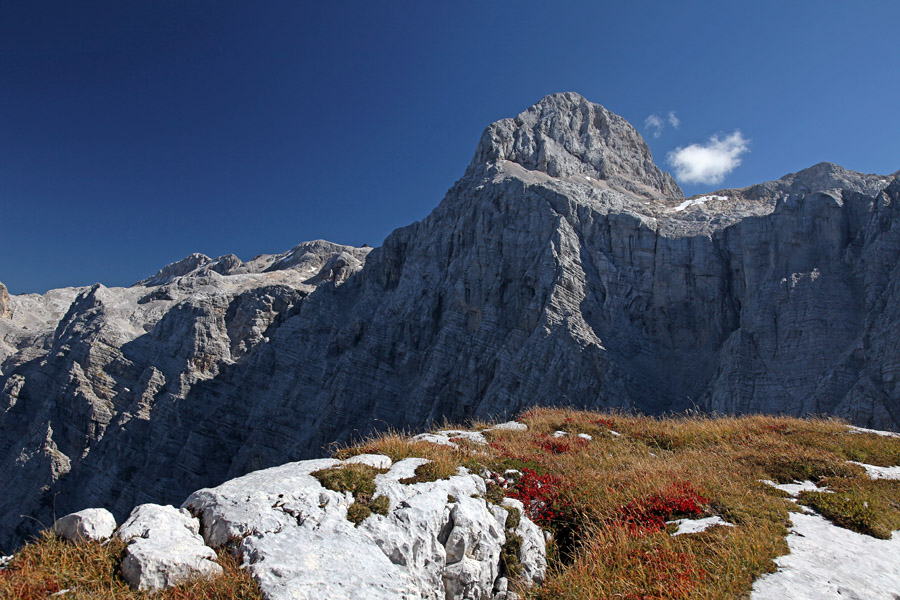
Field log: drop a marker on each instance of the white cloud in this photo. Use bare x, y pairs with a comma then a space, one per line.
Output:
654, 124
709, 162
673, 120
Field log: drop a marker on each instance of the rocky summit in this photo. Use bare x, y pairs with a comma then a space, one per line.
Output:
563, 268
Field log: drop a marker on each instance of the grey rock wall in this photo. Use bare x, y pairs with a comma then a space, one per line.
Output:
563, 268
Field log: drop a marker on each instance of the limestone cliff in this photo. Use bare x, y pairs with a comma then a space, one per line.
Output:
563, 268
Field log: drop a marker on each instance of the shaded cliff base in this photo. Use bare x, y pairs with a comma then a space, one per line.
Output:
634, 507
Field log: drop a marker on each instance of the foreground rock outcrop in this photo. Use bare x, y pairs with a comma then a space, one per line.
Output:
437, 540
563, 267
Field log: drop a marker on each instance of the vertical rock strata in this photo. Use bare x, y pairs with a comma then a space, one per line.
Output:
563, 268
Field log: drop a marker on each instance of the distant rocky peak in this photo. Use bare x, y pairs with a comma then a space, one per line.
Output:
176, 269
307, 258
566, 135
823, 177
826, 176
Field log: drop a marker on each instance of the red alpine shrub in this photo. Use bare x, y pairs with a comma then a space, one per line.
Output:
649, 514
554, 445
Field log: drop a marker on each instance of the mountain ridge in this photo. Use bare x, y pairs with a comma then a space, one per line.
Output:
589, 283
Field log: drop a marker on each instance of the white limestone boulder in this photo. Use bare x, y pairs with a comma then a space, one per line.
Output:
164, 548
335, 562
91, 524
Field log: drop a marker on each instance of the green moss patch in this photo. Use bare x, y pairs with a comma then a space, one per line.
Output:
359, 480
432, 471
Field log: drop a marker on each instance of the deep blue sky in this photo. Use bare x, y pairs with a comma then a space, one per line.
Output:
135, 133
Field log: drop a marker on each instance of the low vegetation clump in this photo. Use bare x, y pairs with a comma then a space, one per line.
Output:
432, 471
359, 480
649, 514
866, 506
607, 502
509, 553
87, 571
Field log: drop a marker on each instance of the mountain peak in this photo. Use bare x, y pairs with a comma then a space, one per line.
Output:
565, 134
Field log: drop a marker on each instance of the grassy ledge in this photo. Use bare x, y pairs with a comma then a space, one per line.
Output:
605, 501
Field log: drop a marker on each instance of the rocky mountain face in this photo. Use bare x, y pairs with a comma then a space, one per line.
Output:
563, 268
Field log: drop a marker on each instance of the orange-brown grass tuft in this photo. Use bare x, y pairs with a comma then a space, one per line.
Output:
90, 570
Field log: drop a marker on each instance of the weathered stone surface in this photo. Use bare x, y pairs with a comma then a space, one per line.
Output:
92, 524
562, 268
439, 540
164, 548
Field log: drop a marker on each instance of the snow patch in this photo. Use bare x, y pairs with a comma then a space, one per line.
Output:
874, 431
697, 525
878, 472
794, 489
831, 562
698, 201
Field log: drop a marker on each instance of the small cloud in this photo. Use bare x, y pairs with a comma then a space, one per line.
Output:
709, 162
654, 124
673, 120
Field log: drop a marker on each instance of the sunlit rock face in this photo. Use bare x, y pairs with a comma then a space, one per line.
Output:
563, 268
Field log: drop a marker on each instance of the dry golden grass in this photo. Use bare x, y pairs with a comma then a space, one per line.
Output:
598, 554
90, 570
723, 459
605, 500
